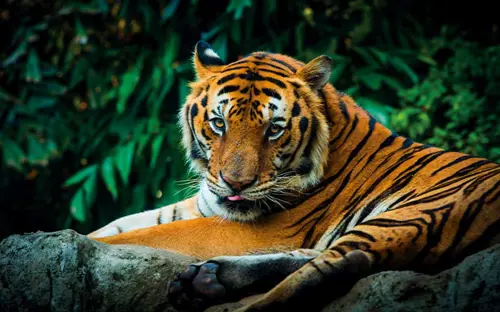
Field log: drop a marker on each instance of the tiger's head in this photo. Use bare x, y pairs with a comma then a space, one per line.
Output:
255, 130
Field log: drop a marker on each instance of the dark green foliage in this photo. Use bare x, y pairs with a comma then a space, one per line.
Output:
89, 90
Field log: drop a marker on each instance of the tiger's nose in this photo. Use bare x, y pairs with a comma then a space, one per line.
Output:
237, 185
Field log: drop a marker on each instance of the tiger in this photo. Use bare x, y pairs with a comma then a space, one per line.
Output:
303, 192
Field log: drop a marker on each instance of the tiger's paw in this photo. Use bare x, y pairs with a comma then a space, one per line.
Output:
197, 288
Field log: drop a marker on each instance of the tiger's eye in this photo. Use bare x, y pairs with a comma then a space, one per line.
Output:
274, 129
218, 123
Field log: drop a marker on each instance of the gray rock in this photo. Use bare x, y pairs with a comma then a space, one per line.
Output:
472, 285
66, 271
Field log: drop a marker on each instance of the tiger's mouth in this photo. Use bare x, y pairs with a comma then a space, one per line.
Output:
240, 206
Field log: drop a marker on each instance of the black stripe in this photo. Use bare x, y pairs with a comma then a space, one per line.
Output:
271, 93
313, 137
273, 72
270, 65
276, 82
314, 265
226, 79
199, 210
361, 234
174, 213
234, 68
228, 89
295, 109
464, 171
456, 161
158, 219
293, 69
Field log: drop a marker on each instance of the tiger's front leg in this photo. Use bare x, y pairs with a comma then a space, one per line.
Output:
229, 278
183, 210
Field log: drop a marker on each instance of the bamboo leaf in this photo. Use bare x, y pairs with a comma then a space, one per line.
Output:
401, 66
123, 161
372, 80
379, 111
237, 7
80, 175
90, 189
40, 102
169, 10
37, 153
129, 82
33, 67
172, 46
155, 149
77, 206
337, 71
108, 175
18, 52
13, 155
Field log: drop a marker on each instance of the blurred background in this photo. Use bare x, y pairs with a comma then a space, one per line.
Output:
89, 90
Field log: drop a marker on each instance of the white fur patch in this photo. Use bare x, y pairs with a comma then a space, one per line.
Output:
211, 53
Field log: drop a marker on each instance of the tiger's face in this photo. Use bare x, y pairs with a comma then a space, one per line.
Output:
255, 130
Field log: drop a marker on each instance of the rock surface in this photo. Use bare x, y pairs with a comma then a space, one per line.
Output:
65, 271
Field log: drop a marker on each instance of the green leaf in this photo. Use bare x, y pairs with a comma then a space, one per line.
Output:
80, 175
337, 71
379, 111
77, 206
138, 200
299, 37
123, 161
208, 35
5, 96
90, 189
238, 6
183, 91
81, 34
108, 175
18, 52
33, 67
102, 6
37, 152
40, 102
235, 32
172, 46
381, 55
78, 73
50, 87
13, 155
366, 56
155, 149
142, 141
393, 83
372, 80
427, 59
129, 82
220, 46
401, 66
169, 10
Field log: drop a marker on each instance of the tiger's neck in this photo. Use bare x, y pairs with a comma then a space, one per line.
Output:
357, 140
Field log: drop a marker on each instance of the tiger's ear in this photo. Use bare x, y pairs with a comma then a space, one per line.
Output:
317, 72
206, 61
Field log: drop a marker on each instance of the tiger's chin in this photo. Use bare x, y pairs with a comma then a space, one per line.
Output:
242, 210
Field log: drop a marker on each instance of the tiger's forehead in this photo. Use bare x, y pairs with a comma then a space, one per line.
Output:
254, 88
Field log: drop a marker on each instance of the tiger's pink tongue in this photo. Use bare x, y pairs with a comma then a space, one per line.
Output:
235, 198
